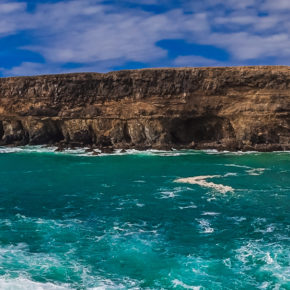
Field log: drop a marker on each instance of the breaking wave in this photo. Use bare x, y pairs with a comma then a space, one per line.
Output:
22, 283
84, 151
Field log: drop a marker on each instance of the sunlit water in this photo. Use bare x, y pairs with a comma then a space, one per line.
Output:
125, 221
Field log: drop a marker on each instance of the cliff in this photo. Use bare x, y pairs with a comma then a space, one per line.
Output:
238, 108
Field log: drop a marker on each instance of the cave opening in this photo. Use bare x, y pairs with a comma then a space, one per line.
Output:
200, 129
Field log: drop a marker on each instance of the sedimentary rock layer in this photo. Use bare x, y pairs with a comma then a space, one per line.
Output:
238, 108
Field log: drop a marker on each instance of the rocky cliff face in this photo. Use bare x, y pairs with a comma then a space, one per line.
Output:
239, 108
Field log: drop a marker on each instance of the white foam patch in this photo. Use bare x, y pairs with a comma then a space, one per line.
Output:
4, 150
210, 213
154, 152
83, 151
237, 219
268, 258
41, 149
26, 284
178, 283
231, 174
214, 151
151, 152
27, 149
167, 194
205, 226
227, 262
23, 283
265, 258
256, 171
46, 149
201, 181
106, 284
236, 165
191, 205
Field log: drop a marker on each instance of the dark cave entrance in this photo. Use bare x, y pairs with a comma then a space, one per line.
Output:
200, 129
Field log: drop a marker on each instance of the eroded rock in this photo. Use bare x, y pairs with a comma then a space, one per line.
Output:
239, 108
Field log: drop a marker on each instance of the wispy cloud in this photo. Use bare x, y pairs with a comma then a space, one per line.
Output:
195, 60
9, 13
100, 35
276, 5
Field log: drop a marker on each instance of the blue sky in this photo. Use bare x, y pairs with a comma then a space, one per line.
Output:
58, 36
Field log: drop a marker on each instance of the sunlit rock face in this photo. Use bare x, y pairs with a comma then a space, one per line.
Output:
237, 108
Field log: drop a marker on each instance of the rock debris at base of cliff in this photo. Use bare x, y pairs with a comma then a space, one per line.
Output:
231, 108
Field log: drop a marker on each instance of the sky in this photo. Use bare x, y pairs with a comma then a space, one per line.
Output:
59, 36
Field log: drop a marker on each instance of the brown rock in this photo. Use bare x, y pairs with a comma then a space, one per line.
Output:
107, 150
238, 108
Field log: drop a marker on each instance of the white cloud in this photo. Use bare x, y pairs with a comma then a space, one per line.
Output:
108, 34
276, 5
30, 68
11, 7
143, 2
221, 4
249, 30
195, 60
9, 13
244, 46
101, 36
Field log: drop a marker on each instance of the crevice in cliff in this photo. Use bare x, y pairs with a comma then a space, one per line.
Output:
127, 136
59, 136
1, 130
92, 135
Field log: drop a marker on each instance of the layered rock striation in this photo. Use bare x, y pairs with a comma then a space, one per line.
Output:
237, 108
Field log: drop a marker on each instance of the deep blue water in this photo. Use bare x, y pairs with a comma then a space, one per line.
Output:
70, 221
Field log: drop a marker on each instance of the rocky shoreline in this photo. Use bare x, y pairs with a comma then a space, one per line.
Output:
234, 108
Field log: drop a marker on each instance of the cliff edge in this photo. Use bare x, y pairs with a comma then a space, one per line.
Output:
236, 108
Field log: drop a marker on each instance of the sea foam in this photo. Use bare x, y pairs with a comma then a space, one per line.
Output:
179, 283
26, 284
83, 151
256, 171
201, 181
205, 226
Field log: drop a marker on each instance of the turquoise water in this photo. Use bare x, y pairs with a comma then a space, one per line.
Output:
70, 221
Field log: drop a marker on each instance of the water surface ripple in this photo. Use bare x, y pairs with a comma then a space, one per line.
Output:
144, 220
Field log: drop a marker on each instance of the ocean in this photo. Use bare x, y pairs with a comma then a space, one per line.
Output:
144, 220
